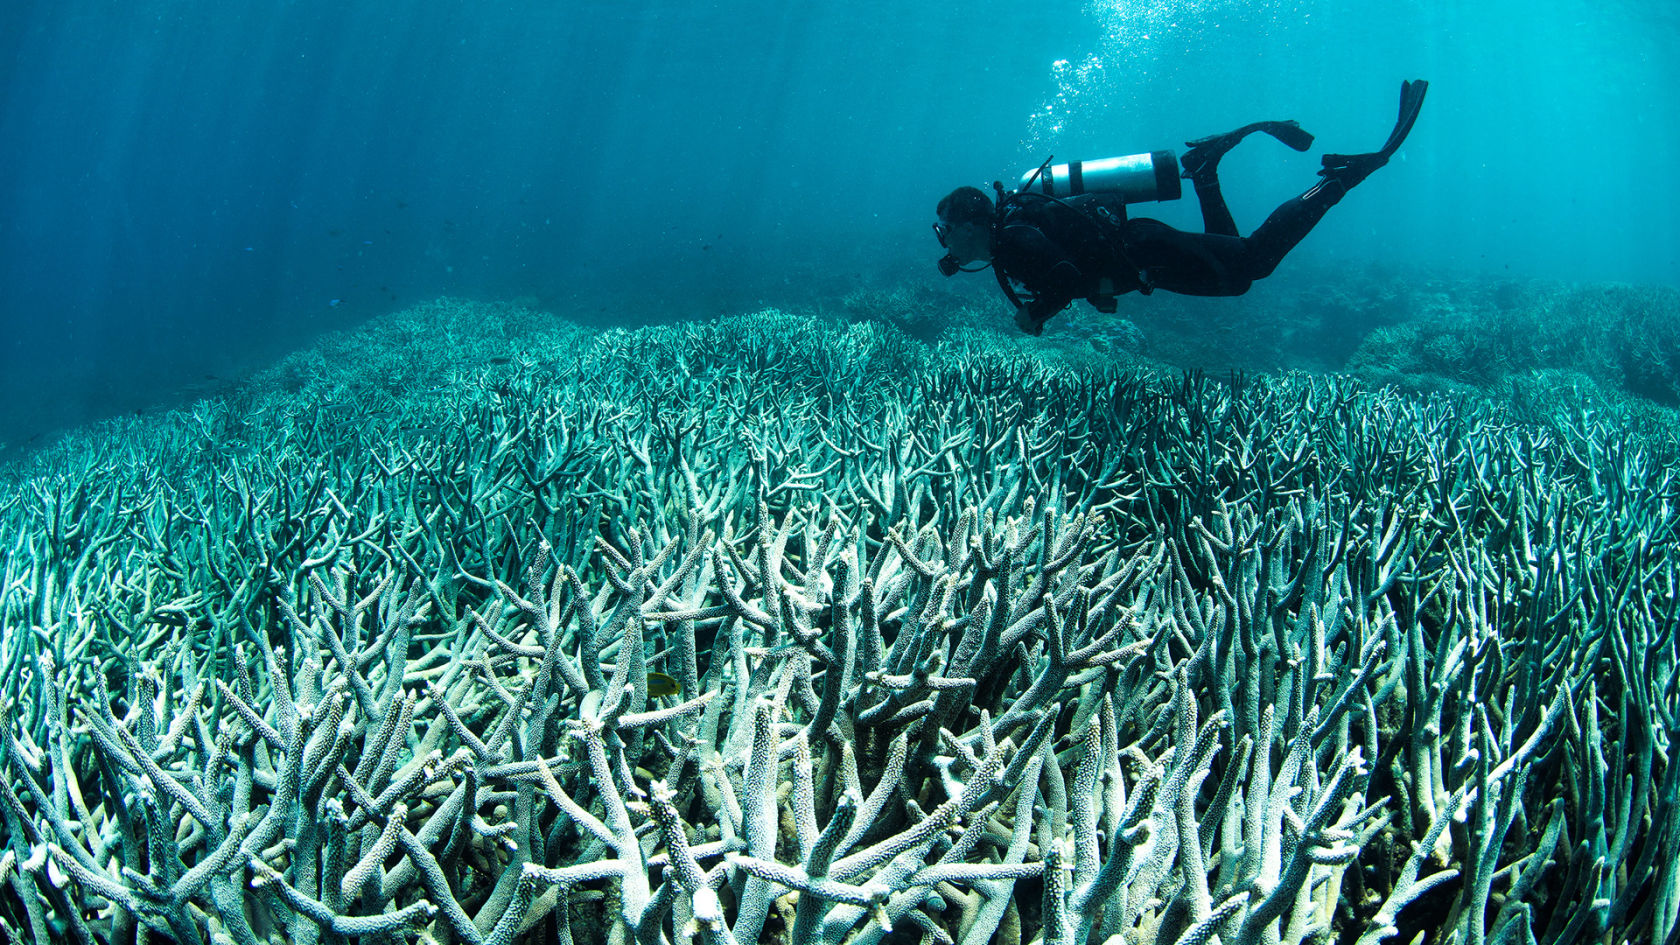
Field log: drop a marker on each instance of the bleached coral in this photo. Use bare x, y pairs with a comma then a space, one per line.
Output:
769, 630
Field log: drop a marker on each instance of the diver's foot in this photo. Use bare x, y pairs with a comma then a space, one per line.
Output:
1350, 169
1203, 157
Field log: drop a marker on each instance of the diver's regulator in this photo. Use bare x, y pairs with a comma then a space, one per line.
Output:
1134, 178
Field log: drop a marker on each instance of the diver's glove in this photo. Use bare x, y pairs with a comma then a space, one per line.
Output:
1030, 323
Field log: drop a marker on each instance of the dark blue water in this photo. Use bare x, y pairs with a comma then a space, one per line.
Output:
188, 188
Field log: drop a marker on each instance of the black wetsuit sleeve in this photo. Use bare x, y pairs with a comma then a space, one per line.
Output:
1042, 267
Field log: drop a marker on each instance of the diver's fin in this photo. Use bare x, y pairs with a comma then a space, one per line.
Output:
1350, 169
1411, 102
1290, 133
1204, 154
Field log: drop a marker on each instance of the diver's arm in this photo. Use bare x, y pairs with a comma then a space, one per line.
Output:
1044, 269
1044, 306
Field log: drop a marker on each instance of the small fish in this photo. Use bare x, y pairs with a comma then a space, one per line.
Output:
660, 684
501, 360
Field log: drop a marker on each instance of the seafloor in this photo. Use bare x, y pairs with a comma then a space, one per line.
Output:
868, 622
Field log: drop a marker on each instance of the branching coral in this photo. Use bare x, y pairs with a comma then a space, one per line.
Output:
732, 632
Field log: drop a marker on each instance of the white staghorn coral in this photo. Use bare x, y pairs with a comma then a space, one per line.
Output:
767, 631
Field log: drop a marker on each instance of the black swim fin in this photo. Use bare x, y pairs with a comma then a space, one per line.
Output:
1350, 169
1204, 153
1290, 133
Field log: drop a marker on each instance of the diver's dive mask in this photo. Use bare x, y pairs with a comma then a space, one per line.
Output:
948, 265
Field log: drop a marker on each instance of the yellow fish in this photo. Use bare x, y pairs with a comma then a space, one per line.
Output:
659, 684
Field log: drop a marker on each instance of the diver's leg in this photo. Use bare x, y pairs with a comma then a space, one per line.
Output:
1287, 226
1290, 223
1201, 166
1187, 263
1216, 216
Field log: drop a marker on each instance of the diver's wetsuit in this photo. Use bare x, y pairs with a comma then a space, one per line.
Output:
1086, 248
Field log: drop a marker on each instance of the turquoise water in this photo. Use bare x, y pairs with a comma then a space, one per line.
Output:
188, 191
511, 434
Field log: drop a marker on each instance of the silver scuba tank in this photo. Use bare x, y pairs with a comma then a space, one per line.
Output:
1134, 177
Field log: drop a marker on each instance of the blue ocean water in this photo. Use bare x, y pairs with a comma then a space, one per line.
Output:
188, 189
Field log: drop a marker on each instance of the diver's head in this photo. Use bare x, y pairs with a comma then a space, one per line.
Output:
964, 229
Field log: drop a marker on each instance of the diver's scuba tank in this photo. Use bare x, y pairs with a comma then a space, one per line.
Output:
1134, 177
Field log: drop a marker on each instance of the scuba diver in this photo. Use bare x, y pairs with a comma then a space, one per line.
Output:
1064, 233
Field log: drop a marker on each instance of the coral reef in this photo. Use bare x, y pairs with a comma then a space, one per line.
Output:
1625, 338
784, 629
1418, 331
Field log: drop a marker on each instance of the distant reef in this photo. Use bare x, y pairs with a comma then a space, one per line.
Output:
866, 624
1506, 337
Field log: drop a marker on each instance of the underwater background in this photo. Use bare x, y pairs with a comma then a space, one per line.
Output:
505, 474
188, 191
